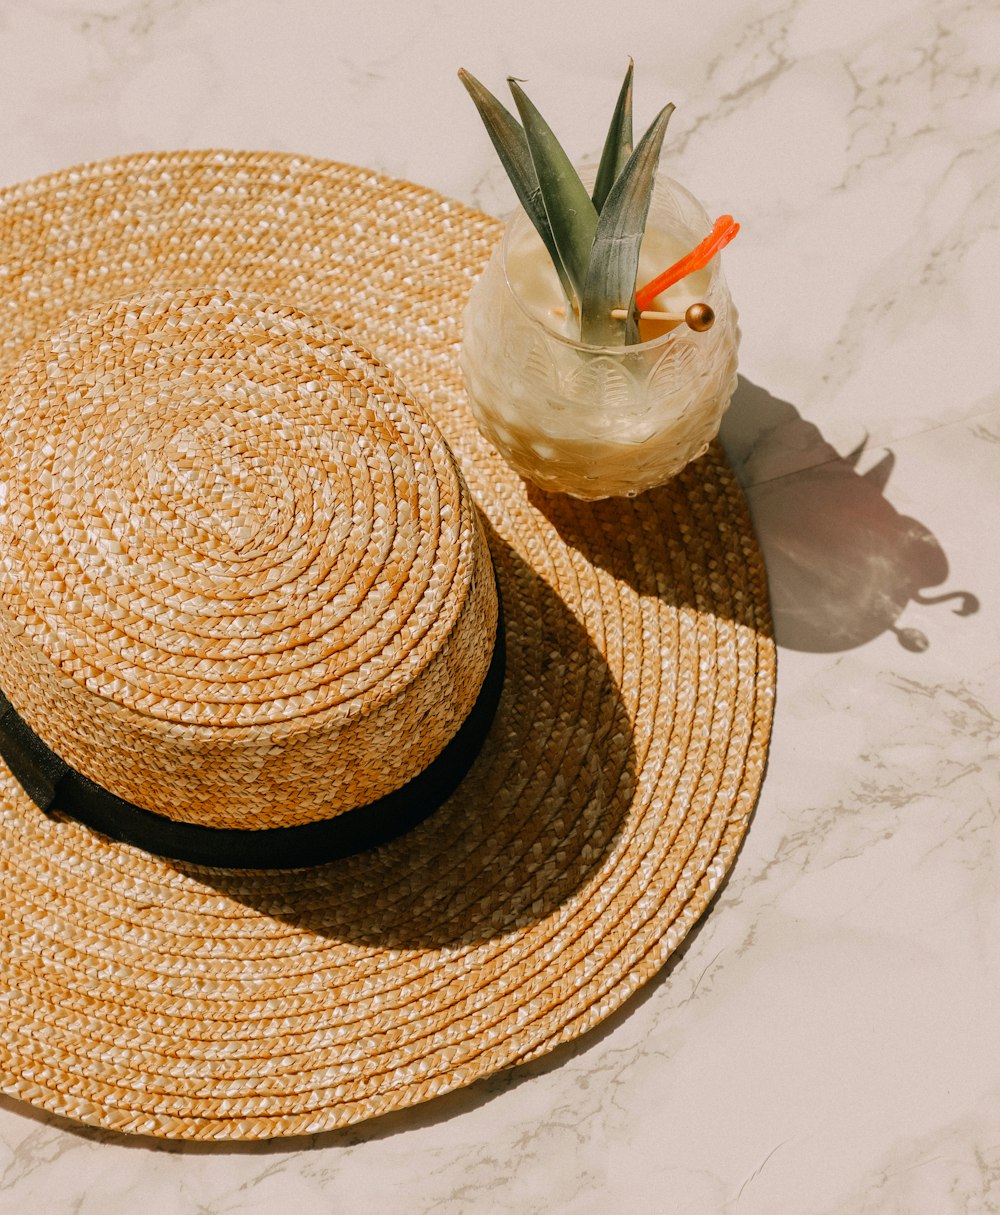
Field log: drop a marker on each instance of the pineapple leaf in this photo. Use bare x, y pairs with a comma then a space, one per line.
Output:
572, 216
511, 145
614, 263
617, 145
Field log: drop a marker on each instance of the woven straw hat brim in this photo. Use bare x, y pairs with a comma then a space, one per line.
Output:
605, 809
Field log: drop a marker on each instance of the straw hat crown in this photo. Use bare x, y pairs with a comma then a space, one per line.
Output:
243, 582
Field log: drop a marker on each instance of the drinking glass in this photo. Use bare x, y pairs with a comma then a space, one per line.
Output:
596, 421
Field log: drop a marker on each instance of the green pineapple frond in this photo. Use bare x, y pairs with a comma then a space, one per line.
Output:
592, 239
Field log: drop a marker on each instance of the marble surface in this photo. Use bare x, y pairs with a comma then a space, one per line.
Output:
826, 1041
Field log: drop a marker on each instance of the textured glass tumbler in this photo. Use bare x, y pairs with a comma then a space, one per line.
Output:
593, 421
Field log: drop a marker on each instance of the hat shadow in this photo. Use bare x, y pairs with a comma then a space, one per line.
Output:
531, 821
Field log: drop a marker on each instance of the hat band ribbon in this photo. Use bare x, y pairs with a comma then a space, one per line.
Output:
52, 783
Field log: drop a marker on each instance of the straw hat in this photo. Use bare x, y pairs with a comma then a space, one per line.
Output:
261, 578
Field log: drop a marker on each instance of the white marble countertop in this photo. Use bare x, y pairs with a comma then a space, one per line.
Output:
826, 1041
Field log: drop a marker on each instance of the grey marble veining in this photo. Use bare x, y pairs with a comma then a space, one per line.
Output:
825, 1042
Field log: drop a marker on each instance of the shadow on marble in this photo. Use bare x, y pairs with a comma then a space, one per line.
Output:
842, 562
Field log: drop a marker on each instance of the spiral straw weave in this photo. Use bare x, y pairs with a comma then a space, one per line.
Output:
604, 811
244, 584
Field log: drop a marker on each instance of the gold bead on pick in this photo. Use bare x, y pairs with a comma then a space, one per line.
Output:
700, 317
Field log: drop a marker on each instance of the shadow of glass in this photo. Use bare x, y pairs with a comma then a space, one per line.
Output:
842, 562
686, 539
536, 814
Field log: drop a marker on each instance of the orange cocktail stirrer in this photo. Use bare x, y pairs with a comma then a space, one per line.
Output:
723, 231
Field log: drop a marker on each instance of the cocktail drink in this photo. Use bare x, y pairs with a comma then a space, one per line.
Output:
599, 421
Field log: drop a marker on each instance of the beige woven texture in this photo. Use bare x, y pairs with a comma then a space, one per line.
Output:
244, 584
603, 813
